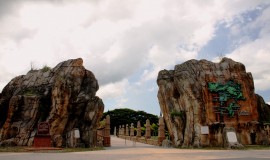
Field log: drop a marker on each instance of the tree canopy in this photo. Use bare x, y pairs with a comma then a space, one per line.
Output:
125, 116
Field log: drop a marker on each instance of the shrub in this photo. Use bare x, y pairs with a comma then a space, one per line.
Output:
45, 68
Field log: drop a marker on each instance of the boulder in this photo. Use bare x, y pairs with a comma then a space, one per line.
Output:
199, 98
64, 96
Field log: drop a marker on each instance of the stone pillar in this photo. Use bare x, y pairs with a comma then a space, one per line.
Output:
114, 131
123, 130
131, 130
107, 137
267, 132
127, 130
161, 130
147, 130
139, 130
119, 131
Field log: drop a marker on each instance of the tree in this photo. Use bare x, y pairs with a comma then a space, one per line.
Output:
154, 128
125, 116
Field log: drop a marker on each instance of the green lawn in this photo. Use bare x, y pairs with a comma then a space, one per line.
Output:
62, 150
258, 147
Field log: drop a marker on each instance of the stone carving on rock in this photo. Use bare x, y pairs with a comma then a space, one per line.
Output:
227, 95
202, 93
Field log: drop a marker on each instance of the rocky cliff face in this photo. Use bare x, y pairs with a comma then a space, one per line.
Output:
216, 95
63, 96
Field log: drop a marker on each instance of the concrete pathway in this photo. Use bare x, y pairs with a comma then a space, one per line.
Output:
118, 143
127, 150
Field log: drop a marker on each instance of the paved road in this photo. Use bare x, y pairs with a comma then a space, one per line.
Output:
127, 150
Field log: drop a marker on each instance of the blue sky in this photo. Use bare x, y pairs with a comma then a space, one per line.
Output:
126, 43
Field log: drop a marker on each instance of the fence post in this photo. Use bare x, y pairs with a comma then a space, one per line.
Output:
131, 130
120, 131
114, 131
127, 130
139, 130
107, 136
147, 130
161, 131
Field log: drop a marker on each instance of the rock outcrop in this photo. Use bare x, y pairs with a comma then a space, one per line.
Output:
199, 98
64, 96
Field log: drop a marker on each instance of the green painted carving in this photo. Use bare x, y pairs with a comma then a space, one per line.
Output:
230, 109
228, 95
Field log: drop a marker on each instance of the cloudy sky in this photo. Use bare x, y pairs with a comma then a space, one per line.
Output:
126, 42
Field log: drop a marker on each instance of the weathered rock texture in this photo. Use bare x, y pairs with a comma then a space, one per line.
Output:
187, 104
63, 96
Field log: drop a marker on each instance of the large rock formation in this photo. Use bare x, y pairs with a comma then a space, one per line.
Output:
63, 96
199, 99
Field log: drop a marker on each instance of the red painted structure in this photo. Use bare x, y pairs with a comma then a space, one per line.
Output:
43, 137
42, 141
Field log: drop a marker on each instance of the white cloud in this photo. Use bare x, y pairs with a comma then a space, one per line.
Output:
112, 39
187, 30
255, 54
161, 59
115, 38
113, 90
121, 102
5, 77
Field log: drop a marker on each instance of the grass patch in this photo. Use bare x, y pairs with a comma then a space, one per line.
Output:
62, 150
246, 147
154, 137
13, 149
257, 147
